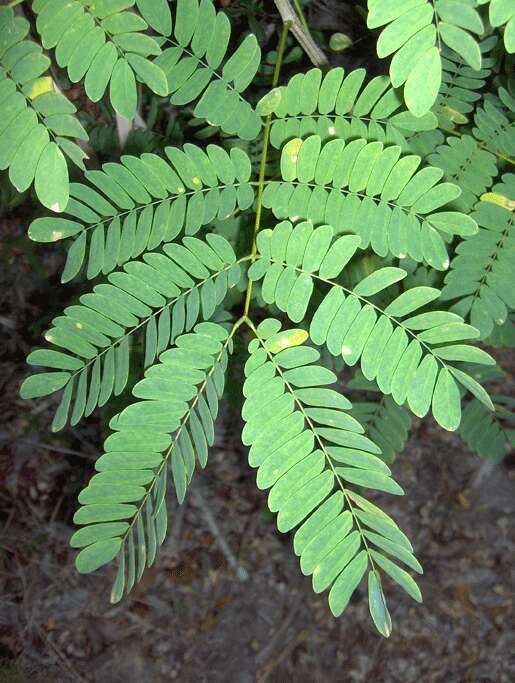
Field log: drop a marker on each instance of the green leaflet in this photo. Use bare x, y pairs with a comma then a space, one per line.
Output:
379, 280
429, 70
295, 454
51, 178
43, 384
147, 435
97, 554
122, 89
462, 43
377, 604
446, 401
157, 14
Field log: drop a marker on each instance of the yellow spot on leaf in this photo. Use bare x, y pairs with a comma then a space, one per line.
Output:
56, 235
78, 326
40, 87
454, 115
331, 130
180, 190
498, 199
463, 499
195, 181
346, 350
286, 339
269, 102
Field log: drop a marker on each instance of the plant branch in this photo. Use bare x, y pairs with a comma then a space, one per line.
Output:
300, 30
302, 16
199, 501
262, 164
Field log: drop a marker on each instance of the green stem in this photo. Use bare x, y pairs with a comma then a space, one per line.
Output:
302, 16
262, 164
238, 324
481, 145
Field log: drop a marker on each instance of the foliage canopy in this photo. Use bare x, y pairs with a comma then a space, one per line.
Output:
327, 219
